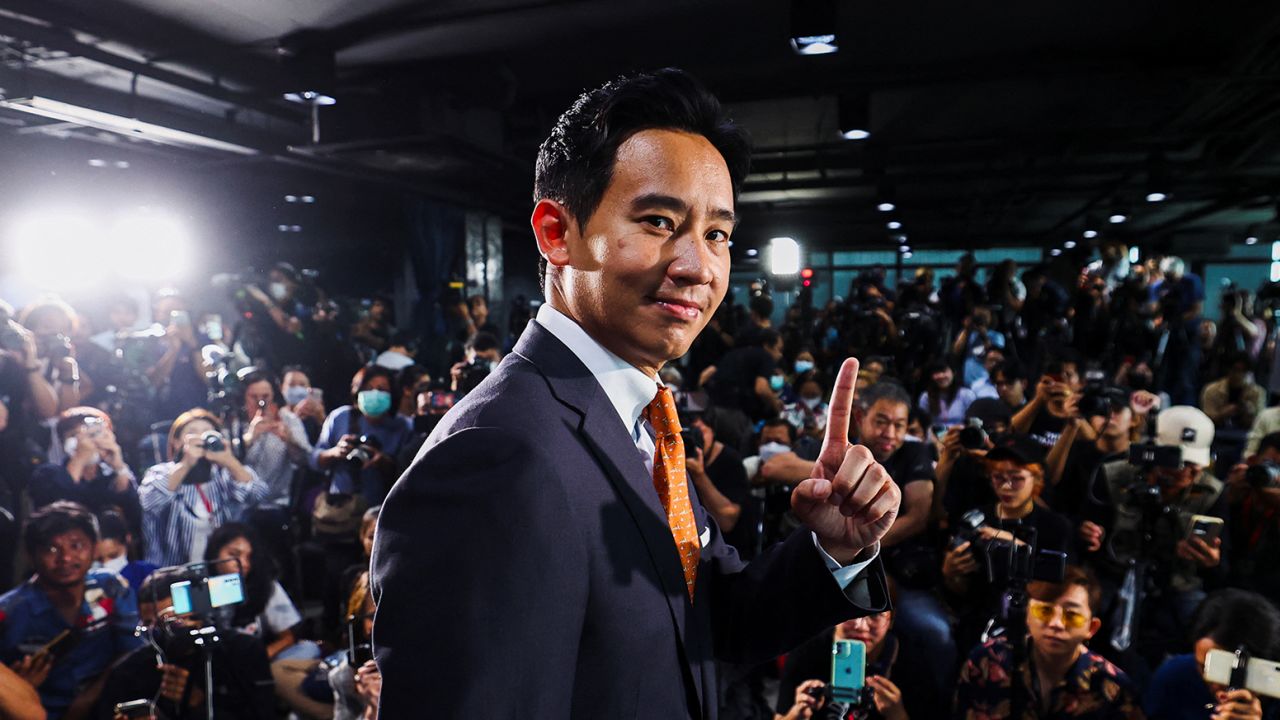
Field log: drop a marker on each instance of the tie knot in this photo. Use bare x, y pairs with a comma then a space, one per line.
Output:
661, 413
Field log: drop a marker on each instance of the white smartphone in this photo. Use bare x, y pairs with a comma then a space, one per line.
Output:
1205, 527
1262, 677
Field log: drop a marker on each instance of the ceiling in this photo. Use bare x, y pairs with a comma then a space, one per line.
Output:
1005, 123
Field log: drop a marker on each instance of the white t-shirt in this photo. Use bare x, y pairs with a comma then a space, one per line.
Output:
279, 615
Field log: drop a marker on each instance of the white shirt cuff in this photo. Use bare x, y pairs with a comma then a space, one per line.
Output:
845, 574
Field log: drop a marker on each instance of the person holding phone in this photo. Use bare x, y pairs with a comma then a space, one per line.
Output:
61, 629
178, 371
94, 472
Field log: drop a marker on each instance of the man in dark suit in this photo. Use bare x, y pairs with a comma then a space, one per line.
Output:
545, 557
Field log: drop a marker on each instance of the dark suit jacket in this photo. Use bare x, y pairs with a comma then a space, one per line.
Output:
523, 567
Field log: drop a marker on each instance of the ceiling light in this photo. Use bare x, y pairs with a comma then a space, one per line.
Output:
1251, 240
752, 252
1055, 252
1158, 178
310, 97
893, 225
1117, 217
904, 249
906, 255
885, 198
853, 114
308, 199
1090, 234
1155, 197
85, 117
291, 198
784, 256
1070, 244
886, 207
97, 162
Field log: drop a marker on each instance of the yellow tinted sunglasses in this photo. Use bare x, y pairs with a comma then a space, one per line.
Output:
1044, 612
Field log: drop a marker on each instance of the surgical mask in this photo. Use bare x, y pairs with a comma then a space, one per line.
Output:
803, 366
812, 402
278, 290
115, 565
295, 394
373, 403
770, 449
71, 444
776, 382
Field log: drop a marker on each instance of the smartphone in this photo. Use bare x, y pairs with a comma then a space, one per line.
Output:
225, 590
848, 670
181, 594
1205, 527
179, 318
60, 645
1262, 677
316, 394
133, 709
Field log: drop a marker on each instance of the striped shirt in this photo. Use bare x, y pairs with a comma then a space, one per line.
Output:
174, 522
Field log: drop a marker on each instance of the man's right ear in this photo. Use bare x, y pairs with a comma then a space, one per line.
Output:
552, 223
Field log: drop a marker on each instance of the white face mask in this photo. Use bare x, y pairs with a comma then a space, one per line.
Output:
770, 449
71, 444
115, 565
811, 403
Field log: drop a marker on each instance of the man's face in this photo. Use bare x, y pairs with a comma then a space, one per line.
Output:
1011, 390
993, 358
775, 434
645, 272
1071, 376
1173, 481
1118, 423
1059, 628
883, 428
65, 559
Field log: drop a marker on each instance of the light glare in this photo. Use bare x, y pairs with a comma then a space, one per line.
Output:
784, 256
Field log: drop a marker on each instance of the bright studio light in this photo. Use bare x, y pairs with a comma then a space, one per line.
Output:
59, 249
784, 256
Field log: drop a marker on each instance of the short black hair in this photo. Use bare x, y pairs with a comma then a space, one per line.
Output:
55, 519
1233, 618
775, 422
1012, 370
483, 342
762, 306
1270, 441
765, 337
576, 161
884, 390
113, 526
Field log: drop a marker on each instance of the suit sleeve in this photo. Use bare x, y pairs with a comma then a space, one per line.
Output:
478, 575
782, 598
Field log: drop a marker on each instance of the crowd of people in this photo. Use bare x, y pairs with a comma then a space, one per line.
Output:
1090, 478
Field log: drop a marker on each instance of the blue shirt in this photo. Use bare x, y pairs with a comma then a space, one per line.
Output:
393, 431
104, 632
1178, 692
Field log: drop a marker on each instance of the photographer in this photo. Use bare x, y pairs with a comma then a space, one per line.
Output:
739, 384
1104, 414
201, 487
900, 690
978, 565
482, 356
275, 442
94, 473
1059, 676
1010, 381
1228, 620
305, 401
24, 389
1146, 516
1254, 500
170, 670
1180, 298
62, 628
1234, 401
51, 353
370, 415
1054, 403
178, 374
720, 480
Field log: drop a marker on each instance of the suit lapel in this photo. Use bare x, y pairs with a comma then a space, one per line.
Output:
611, 445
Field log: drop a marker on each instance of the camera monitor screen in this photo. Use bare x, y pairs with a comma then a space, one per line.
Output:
225, 590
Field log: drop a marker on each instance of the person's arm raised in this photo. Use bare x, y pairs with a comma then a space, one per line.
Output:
849, 502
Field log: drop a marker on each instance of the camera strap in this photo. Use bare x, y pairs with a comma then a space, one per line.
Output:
204, 499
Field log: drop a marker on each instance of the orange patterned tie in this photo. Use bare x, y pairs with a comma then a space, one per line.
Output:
671, 481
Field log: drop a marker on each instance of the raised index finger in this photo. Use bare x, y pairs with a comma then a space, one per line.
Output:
841, 407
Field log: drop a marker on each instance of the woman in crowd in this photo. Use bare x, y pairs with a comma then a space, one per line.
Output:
267, 611
115, 546
943, 397
370, 415
93, 471
202, 486
304, 400
356, 687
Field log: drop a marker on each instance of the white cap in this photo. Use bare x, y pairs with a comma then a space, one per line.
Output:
1188, 428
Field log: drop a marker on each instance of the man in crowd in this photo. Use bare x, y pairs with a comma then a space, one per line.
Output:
1234, 401
1057, 675
1253, 496
740, 384
61, 629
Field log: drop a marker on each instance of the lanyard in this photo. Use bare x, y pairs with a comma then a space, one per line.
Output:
207, 505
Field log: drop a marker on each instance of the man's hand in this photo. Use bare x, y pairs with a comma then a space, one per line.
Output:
34, 668
806, 705
173, 682
1091, 535
1200, 552
369, 683
1237, 705
959, 561
849, 501
887, 697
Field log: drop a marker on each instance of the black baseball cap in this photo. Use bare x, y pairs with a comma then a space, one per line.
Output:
1018, 448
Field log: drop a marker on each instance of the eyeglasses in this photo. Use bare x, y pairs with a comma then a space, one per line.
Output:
1043, 613
1013, 480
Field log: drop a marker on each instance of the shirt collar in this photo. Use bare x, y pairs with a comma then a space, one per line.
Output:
628, 389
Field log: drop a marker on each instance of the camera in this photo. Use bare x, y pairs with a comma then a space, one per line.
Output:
972, 436
692, 442
1265, 474
54, 347
213, 441
1150, 455
366, 447
10, 338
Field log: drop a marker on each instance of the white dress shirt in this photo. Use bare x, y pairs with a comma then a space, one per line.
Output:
630, 391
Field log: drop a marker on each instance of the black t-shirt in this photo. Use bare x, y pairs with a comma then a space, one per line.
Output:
1046, 428
734, 383
968, 487
910, 463
730, 478
1076, 490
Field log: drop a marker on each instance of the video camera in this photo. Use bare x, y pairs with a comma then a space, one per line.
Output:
1009, 562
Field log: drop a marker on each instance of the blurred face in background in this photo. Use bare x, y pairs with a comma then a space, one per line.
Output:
882, 428
260, 396
1013, 483
238, 549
